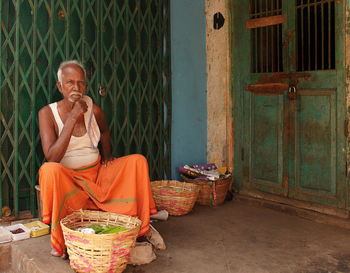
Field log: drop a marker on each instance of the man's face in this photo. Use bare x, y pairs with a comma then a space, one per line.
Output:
73, 83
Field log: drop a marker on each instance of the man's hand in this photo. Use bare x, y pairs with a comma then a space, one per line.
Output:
106, 161
79, 108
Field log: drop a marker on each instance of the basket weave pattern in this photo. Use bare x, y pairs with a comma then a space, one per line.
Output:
176, 197
212, 193
99, 252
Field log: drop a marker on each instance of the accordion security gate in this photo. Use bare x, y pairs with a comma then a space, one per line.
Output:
125, 48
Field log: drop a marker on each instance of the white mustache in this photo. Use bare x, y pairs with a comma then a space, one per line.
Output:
75, 93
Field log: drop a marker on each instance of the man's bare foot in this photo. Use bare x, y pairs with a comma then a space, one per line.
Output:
56, 254
161, 215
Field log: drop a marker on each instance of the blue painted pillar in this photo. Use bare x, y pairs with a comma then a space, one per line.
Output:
189, 83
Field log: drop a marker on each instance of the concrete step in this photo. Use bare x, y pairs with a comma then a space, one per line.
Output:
5, 257
31, 256
300, 212
239, 236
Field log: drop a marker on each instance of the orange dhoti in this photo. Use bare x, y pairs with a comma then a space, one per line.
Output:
122, 187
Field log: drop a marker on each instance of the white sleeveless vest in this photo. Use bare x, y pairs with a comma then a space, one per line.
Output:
81, 151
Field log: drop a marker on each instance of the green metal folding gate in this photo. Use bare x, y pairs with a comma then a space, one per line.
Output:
125, 48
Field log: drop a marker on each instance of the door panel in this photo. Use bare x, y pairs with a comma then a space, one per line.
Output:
316, 143
266, 151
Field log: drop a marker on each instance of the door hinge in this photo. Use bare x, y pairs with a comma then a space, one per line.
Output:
346, 168
242, 154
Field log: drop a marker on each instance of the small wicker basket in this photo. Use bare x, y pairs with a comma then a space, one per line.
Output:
176, 197
99, 252
212, 193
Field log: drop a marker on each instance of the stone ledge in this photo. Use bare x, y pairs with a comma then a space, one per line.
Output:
5, 260
33, 256
304, 213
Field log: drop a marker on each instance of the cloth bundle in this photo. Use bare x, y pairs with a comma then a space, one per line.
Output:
207, 172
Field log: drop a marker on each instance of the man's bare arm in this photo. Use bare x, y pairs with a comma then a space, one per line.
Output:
54, 146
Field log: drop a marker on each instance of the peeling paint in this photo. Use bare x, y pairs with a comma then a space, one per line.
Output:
346, 30
220, 142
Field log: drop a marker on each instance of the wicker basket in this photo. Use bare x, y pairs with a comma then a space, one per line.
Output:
176, 197
212, 193
99, 252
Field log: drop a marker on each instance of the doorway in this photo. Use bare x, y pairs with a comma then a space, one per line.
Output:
289, 94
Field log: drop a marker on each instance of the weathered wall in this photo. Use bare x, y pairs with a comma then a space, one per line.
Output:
188, 65
220, 141
347, 77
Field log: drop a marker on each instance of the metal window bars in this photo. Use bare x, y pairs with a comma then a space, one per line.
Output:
315, 32
266, 41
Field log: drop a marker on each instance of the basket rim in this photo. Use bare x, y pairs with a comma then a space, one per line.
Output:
187, 179
135, 221
177, 184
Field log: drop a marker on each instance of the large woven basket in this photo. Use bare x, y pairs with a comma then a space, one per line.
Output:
212, 193
99, 252
176, 197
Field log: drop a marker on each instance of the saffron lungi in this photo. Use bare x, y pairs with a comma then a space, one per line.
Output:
122, 187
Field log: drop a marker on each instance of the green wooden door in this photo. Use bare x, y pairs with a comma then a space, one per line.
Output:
289, 99
124, 46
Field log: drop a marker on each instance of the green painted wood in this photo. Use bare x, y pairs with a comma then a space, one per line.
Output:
124, 46
316, 142
267, 140
240, 75
290, 147
320, 158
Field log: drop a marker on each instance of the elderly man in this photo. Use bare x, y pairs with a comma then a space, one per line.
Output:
78, 174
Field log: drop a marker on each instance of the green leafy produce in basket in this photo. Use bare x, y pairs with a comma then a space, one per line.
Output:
96, 227
106, 229
111, 229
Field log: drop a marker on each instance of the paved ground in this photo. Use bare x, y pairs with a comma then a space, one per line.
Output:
237, 237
